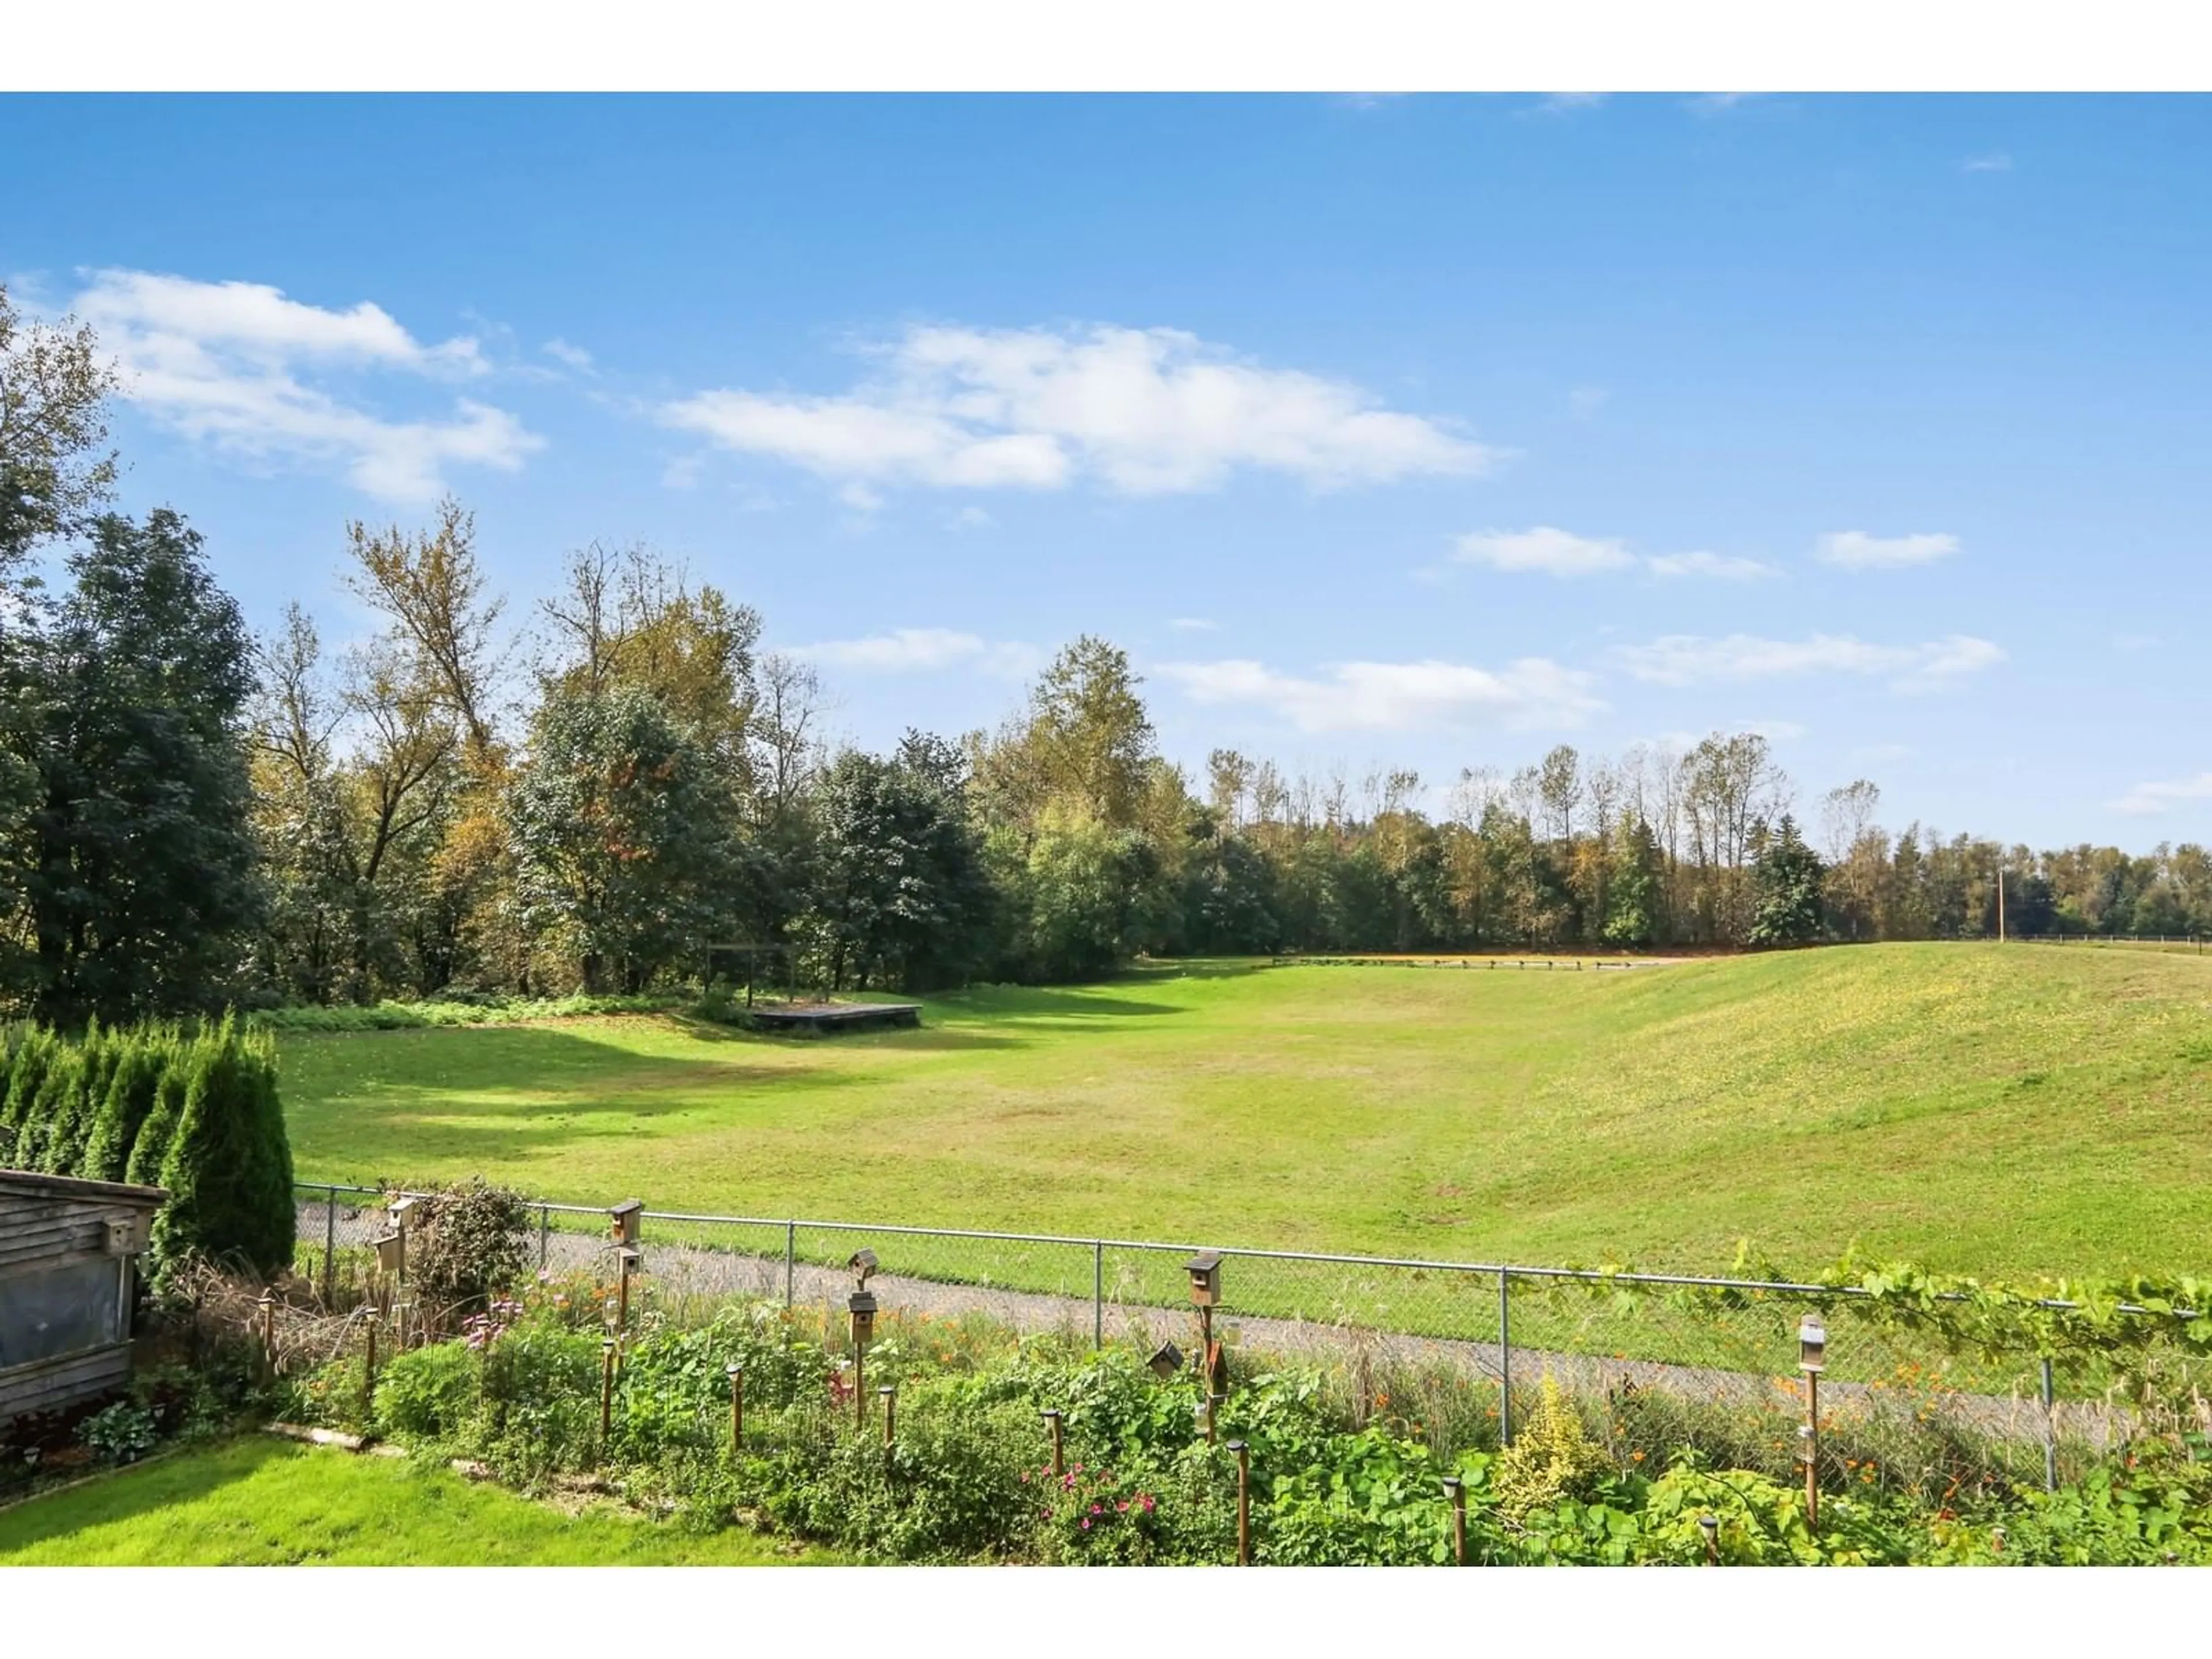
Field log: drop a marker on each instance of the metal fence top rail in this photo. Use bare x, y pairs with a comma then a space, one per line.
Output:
1484, 1269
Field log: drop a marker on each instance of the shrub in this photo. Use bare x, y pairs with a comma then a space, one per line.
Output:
227, 1168
468, 1242
133, 1080
1549, 1460
149, 1147
428, 1393
26, 1069
53, 1110
122, 1433
541, 1391
78, 1085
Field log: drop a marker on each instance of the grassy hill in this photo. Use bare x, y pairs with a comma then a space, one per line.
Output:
1998, 1110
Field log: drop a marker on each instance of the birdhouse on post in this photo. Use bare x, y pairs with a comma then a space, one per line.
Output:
391, 1251
861, 1307
1205, 1278
626, 1217
125, 1235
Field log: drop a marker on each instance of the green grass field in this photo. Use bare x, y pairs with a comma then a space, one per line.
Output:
268, 1503
2004, 1110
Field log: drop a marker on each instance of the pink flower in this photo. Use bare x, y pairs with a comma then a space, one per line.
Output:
1086, 1523
1094, 1510
1121, 1508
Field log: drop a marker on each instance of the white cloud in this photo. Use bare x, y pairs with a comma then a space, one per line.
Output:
1853, 549
1719, 566
1142, 412
1559, 103
575, 355
1194, 624
222, 363
924, 650
1584, 401
1531, 693
1555, 552
2147, 799
968, 518
900, 650
1690, 659
1996, 162
1773, 730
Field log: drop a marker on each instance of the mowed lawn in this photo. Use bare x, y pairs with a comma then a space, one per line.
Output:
1997, 1109
269, 1503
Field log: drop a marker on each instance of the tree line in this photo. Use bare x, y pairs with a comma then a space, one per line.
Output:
618, 789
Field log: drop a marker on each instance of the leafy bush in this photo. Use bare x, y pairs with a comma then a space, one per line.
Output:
540, 1413
122, 1433
466, 1243
456, 1010
428, 1393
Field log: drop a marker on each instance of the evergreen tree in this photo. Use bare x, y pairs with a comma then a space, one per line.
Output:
1786, 877
34, 1051
67, 1117
149, 1148
1631, 900
220, 1169
132, 875
133, 1080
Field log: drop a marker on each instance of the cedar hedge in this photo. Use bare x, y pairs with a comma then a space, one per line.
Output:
194, 1110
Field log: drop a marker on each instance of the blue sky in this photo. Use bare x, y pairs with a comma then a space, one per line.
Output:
1426, 431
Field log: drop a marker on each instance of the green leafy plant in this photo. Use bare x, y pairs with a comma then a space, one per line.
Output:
121, 1433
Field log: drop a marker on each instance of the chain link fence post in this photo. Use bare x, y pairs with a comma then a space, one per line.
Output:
2050, 1430
544, 1233
790, 1258
329, 1247
1505, 1358
1098, 1295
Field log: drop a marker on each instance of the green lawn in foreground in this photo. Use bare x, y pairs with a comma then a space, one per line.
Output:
2001, 1110
267, 1503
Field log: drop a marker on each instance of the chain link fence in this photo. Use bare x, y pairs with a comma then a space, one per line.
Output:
1460, 1353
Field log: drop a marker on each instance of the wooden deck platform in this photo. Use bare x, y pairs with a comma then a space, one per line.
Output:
821, 1019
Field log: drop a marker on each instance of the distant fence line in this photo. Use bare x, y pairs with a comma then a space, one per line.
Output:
1567, 964
1731, 1343
1575, 962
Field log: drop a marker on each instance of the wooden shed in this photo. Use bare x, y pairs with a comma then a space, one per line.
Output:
68, 1259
